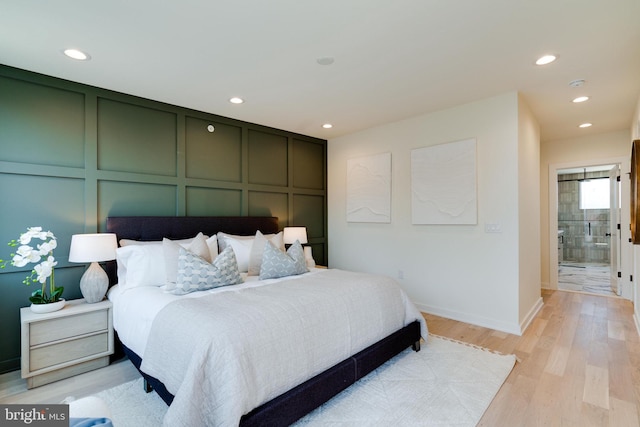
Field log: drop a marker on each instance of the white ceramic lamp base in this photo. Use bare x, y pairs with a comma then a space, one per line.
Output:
94, 283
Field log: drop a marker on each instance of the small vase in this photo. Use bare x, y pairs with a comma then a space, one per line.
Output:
49, 307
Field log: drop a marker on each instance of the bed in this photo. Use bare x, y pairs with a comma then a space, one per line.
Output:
281, 390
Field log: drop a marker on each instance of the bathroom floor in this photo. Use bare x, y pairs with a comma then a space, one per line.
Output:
592, 278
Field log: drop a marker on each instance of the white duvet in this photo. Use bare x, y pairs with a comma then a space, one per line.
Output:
224, 353
135, 307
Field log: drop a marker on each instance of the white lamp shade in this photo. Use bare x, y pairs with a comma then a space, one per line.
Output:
291, 234
93, 247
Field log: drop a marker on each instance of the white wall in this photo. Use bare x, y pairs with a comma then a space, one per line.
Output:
587, 150
457, 271
530, 300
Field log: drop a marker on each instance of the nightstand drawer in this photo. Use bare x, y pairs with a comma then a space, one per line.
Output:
54, 354
67, 327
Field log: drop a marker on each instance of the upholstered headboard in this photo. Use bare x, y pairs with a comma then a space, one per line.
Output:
149, 228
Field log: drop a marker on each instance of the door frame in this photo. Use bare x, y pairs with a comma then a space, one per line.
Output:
615, 227
626, 249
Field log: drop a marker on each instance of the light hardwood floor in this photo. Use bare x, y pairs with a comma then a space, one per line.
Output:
13, 389
579, 365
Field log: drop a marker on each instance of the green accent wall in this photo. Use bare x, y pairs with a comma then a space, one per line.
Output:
71, 155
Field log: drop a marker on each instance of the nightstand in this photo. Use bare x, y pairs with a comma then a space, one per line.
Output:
67, 342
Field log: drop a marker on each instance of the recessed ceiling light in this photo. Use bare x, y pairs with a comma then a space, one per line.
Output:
77, 54
585, 125
547, 59
327, 125
236, 100
580, 99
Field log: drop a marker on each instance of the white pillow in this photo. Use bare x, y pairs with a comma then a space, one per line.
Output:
141, 265
257, 250
241, 245
212, 243
222, 243
242, 249
171, 249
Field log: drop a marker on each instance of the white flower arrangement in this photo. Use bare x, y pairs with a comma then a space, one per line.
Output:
41, 254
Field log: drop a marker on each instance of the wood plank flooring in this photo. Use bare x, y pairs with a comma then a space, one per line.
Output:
579, 365
13, 389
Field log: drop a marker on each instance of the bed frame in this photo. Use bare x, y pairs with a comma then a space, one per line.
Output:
297, 402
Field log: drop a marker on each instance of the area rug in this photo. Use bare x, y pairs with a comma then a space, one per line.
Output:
447, 383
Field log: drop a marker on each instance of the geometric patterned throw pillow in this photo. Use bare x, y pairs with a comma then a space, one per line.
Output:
276, 263
196, 274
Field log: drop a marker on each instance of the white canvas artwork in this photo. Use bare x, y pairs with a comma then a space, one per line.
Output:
369, 188
443, 184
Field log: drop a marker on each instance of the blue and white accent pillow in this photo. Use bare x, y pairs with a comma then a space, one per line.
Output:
276, 263
196, 274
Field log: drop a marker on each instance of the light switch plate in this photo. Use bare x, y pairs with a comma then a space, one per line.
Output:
492, 227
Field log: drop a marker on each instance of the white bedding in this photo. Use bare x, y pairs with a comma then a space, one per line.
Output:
135, 308
239, 348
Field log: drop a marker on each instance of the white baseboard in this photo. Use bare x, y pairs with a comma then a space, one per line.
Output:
531, 315
510, 328
636, 320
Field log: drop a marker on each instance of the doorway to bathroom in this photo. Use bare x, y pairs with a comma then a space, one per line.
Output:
589, 229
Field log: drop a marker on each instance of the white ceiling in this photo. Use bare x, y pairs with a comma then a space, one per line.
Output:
393, 59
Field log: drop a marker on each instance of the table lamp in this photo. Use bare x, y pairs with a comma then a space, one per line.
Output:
93, 248
291, 234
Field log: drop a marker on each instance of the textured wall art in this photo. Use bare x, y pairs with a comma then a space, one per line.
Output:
443, 184
369, 188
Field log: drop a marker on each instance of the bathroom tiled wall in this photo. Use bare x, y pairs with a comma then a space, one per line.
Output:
578, 242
